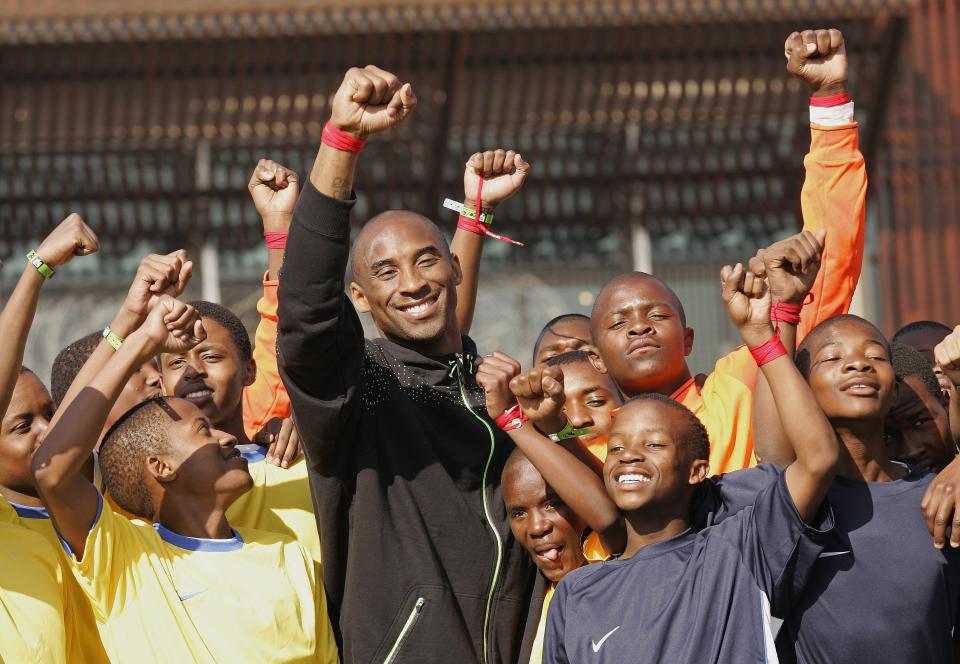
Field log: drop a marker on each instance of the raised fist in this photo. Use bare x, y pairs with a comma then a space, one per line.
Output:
819, 59
947, 355
371, 100
72, 237
540, 394
274, 189
503, 172
282, 441
790, 266
157, 275
172, 326
747, 299
493, 376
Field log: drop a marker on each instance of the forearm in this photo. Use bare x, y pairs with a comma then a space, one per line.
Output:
770, 444
15, 322
468, 247
576, 484
808, 432
333, 172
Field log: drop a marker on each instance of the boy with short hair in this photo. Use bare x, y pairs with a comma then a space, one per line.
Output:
159, 591
918, 427
639, 325
924, 336
657, 459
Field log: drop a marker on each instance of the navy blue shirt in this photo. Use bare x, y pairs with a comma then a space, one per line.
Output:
881, 593
699, 597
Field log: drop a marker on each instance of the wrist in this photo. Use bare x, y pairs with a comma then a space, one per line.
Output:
126, 322
277, 222
141, 345
471, 204
757, 335
830, 88
550, 425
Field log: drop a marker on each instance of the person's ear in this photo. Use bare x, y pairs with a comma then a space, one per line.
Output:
359, 298
699, 470
687, 341
457, 270
251, 372
160, 468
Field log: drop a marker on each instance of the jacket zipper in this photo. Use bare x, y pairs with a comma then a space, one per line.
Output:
407, 626
486, 513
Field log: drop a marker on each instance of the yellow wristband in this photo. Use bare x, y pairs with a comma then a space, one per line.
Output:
112, 338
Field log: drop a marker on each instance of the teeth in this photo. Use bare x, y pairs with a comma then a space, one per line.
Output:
198, 394
550, 554
419, 308
632, 479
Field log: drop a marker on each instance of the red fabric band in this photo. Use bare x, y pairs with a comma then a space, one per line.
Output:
832, 100
341, 140
275, 239
768, 351
511, 419
786, 313
475, 226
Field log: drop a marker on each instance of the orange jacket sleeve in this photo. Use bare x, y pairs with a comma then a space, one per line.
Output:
266, 398
834, 197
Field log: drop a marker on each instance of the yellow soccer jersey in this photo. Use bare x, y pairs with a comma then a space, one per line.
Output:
279, 502
32, 602
83, 635
163, 597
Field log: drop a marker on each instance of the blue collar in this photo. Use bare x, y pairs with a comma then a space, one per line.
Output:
199, 543
28, 512
252, 452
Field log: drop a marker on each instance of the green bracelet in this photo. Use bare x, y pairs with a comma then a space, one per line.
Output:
568, 432
112, 338
38, 263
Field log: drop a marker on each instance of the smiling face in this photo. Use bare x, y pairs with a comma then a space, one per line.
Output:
211, 375
590, 397
637, 324
542, 523
649, 463
918, 428
567, 334
23, 428
847, 363
406, 278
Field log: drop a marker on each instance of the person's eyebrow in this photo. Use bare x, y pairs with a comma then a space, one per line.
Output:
431, 249
590, 390
381, 263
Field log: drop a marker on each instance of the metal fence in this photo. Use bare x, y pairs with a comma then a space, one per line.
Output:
676, 117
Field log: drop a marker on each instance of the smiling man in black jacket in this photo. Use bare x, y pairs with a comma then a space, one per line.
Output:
405, 464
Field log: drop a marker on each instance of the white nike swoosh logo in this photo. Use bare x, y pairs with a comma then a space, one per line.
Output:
184, 598
828, 554
596, 646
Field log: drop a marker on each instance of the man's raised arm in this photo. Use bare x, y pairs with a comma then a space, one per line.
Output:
320, 345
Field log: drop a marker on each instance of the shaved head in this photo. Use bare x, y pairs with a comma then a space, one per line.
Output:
631, 279
372, 231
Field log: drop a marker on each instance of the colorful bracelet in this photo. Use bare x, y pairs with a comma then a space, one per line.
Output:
38, 263
769, 350
112, 338
511, 419
341, 140
568, 431
275, 239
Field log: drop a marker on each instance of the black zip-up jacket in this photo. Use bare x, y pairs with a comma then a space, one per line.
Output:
418, 560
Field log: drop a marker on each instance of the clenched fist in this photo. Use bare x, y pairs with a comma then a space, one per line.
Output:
747, 299
72, 237
790, 266
274, 189
503, 172
819, 59
371, 100
947, 355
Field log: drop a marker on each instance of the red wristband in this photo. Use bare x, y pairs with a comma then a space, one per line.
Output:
511, 419
768, 351
474, 226
341, 140
275, 239
785, 312
832, 100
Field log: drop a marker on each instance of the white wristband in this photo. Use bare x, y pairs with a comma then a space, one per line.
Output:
832, 116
